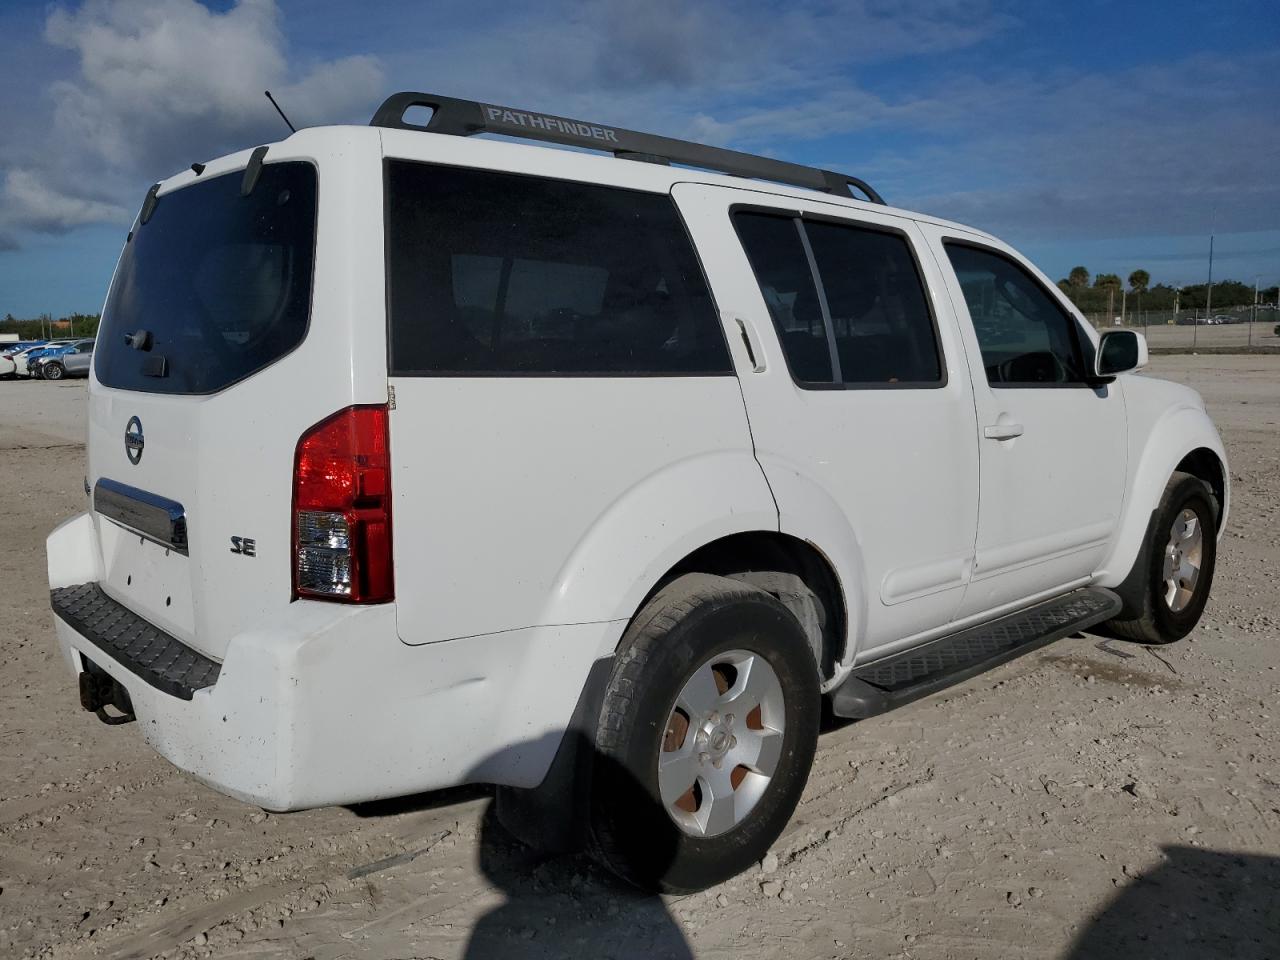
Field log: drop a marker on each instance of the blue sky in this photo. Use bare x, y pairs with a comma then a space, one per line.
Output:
1113, 135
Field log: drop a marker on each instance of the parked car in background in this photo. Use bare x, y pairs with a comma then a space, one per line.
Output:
23, 357
71, 360
8, 351
36, 356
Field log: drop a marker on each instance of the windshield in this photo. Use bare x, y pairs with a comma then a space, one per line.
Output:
214, 287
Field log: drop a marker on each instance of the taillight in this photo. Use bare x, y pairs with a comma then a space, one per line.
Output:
342, 509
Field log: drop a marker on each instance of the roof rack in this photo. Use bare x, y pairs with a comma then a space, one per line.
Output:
464, 118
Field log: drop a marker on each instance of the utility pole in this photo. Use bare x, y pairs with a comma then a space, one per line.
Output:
1208, 295
1253, 314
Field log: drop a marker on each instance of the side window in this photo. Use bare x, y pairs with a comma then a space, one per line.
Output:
1026, 338
500, 274
778, 257
884, 331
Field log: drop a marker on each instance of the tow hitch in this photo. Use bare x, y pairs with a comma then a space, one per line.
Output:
99, 690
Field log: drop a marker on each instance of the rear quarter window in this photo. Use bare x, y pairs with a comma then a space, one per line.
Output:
493, 274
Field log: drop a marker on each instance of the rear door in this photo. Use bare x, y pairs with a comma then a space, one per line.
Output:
860, 392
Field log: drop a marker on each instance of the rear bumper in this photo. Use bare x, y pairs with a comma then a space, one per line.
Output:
159, 659
323, 704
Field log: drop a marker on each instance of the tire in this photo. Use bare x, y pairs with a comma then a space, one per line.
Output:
662, 665
1151, 613
52, 371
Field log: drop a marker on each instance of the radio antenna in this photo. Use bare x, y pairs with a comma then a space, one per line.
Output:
279, 111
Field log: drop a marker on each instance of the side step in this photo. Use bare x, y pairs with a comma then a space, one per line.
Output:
912, 674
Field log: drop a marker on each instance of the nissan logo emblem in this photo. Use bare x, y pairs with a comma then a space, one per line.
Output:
133, 440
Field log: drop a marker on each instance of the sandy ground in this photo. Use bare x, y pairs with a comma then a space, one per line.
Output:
1091, 800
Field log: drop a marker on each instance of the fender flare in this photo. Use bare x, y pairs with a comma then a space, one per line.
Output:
808, 512
1178, 432
651, 527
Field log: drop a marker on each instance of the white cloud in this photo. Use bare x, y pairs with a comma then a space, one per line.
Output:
1053, 150
746, 72
30, 202
163, 83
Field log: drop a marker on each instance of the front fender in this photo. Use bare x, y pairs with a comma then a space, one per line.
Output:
653, 526
1156, 452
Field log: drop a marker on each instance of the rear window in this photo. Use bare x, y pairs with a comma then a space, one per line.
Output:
493, 274
221, 282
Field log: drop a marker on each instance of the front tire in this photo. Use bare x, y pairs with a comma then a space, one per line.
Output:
1166, 592
706, 734
52, 371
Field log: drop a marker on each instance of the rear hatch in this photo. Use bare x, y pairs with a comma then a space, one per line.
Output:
190, 444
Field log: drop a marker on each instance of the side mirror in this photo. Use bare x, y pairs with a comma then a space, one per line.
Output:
1120, 351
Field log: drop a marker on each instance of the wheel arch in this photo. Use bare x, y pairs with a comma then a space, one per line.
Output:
1212, 469
794, 571
1182, 439
652, 527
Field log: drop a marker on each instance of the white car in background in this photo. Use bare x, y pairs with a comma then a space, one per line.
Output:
7, 366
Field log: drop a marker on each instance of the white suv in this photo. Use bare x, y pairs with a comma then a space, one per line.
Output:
418, 459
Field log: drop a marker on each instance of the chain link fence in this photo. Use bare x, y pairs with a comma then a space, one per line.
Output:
1232, 328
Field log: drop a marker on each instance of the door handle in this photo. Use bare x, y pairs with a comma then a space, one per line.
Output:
1002, 431
753, 355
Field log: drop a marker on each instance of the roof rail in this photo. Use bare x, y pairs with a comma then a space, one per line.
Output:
463, 118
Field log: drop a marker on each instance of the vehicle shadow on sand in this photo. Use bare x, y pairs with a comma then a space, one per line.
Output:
563, 904
1197, 904
566, 906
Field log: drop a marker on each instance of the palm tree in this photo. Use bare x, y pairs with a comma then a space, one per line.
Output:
1078, 277
1111, 283
1138, 281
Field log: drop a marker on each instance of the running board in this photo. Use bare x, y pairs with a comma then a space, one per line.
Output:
903, 677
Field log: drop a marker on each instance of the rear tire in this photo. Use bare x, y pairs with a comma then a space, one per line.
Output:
1163, 597
739, 653
52, 371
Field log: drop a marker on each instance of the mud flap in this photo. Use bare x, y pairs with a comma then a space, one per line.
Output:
553, 816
